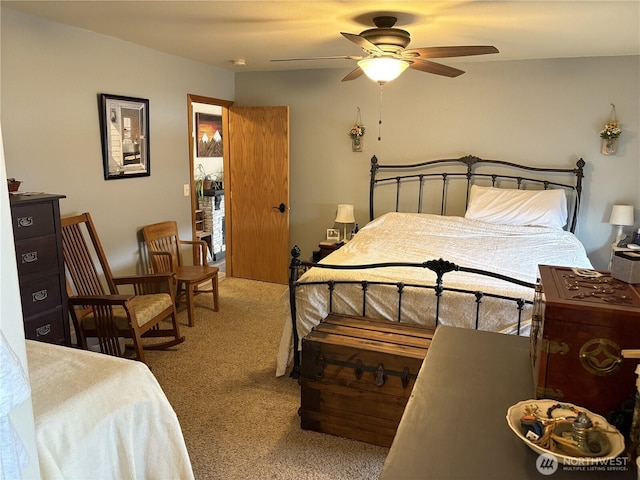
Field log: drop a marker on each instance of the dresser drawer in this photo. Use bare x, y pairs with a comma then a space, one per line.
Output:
37, 255
40, 295
46, 328
33, 220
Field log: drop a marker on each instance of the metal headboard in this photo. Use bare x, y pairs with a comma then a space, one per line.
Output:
467, 167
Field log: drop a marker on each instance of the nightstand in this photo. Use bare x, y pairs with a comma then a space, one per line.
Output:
614, 249
325, 249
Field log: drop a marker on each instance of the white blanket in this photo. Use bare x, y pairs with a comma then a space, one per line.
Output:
102, 417
514, 251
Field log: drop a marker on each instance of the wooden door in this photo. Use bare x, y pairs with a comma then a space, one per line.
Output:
259, 193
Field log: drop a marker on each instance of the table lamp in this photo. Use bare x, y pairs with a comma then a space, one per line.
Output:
345, 215
621, 216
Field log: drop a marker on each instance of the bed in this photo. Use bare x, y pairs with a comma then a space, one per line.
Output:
98, 416
466, 255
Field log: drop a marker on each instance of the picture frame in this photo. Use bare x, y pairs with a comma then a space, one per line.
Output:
209, 135
124, 131
333, 235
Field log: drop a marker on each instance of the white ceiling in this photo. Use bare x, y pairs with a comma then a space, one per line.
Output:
218, 32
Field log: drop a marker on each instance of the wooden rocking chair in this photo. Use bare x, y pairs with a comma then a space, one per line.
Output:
165, 251
109, 315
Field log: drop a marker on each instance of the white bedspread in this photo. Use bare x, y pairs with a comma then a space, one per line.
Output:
102, 417
515, 251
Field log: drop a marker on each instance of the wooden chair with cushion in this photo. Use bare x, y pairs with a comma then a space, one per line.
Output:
106, 313
165, 250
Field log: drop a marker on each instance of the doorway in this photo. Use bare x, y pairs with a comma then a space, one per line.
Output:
208, 162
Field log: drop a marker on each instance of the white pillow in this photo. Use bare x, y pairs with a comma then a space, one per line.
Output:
545, 208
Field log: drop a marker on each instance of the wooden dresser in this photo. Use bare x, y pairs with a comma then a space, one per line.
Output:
38, 241
580, 326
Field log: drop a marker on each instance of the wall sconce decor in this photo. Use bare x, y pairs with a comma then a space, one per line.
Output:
356, 133
610, 134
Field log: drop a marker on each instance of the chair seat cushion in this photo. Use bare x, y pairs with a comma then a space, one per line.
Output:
146, 308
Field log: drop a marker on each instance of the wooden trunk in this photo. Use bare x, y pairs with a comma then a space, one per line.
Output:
578, 338
357, 374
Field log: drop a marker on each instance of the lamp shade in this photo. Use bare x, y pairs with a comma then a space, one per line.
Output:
345, 214
621, 215
383, 69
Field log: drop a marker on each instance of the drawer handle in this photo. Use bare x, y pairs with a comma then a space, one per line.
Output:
25, 221
30, 257
43, 330
39, 296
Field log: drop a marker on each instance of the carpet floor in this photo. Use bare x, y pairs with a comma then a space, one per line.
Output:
239, 421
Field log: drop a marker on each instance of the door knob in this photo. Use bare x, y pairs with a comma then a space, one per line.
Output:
280, 207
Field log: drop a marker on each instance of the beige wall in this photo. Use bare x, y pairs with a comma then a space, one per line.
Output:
544, 112
51, 76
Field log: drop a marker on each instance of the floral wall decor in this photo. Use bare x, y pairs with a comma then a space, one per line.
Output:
610, 134
356, 133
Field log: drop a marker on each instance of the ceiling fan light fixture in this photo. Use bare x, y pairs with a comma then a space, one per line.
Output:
383, 69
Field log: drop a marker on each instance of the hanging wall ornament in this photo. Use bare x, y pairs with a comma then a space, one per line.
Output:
356, 133
610, 134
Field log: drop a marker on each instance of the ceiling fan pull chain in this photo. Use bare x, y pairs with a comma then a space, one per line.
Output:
380, 117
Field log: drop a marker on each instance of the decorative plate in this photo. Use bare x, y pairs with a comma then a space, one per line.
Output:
609, 434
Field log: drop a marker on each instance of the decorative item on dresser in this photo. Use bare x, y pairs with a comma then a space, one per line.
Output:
36, 229
13, 185
581, 324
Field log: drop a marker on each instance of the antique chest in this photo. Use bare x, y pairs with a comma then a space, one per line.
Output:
357, 375
580, 327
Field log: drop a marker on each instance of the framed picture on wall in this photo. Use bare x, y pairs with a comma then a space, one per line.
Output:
209, 135
124, 129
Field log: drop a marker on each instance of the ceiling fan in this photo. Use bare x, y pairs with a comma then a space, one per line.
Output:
387, 57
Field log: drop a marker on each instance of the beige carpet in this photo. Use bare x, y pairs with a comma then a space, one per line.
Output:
239, 421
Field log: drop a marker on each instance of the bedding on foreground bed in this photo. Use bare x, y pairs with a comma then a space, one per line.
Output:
511, 250
98, 416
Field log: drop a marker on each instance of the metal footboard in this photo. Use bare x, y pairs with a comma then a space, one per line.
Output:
440, 267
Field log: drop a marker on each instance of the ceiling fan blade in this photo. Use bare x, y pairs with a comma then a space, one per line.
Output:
332, 57
432, 67
353, 74
362, 42
446, 52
